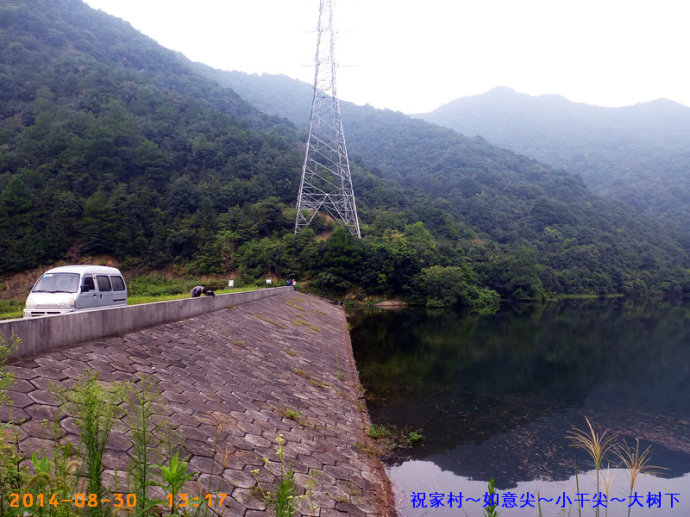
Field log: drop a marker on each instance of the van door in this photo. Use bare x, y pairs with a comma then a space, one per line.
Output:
119, 290
105, 290
88, 294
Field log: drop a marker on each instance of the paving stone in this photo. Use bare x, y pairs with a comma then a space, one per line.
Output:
239, 478
225, 400
184, 409
348, 508
255, 513
232, 508
44, 397
41, 412
248, 499
364, 503
22, 386
323, 500
121, 366
258, 416
37, 428
205, 465
44, 383
237, 459
331, 512
51, 372
116, 459
13, 414
248, 427
119, 441
258, 441
199, 448
68, 424
21, 372
36, 444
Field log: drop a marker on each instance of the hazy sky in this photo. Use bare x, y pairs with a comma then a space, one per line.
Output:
414, 55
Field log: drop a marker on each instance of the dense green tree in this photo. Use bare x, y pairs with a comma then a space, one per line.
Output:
448, 286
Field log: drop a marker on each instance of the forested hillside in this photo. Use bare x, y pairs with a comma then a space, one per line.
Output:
639, 154
576, 241
110, 144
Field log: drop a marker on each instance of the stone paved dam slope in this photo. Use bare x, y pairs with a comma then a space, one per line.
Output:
230, 382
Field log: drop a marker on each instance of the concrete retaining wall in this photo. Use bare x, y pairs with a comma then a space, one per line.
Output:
49, 332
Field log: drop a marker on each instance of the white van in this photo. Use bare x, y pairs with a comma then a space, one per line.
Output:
74, 288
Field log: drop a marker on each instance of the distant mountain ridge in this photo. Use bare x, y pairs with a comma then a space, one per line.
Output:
509, 197
639, 154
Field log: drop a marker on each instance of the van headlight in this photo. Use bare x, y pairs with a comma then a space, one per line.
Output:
30, 304
66, 304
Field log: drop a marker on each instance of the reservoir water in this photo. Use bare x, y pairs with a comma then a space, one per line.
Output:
496, 395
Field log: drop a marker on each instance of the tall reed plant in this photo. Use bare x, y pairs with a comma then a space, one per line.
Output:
596, 445
11, 470
54, 476
94, 408
143, 431
636, 462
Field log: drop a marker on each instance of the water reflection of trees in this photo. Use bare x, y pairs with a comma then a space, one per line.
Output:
465, 379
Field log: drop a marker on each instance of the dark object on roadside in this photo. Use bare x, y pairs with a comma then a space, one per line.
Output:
208, 292
196, 291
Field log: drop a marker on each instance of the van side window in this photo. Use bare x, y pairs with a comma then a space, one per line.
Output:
103, 283
118, 283
87, 284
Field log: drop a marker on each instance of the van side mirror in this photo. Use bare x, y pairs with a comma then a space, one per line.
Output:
85, 288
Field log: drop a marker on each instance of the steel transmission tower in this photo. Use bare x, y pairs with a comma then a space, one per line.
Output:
326, 181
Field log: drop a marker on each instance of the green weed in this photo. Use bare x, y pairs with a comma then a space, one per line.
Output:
174, 476
301, 322
272, 322
368, 450
490, 509
415, 437
378, 431
285, 497
6, 378
292, 414
301, 373
11, 309
390, 437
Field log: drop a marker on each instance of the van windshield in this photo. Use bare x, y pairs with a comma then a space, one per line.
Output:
57, 283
